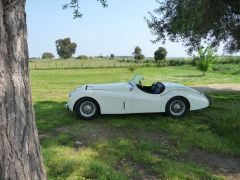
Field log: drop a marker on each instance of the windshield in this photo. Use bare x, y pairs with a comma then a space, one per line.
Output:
136, 79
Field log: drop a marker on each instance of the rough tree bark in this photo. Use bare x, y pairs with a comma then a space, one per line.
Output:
20, 155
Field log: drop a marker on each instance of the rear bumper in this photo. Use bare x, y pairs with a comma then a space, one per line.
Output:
210, 99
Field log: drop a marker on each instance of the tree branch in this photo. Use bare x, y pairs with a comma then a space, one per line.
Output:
74, 4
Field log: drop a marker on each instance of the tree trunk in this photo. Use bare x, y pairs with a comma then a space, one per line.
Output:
20, 155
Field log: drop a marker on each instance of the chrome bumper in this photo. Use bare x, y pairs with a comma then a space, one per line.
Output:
66, 106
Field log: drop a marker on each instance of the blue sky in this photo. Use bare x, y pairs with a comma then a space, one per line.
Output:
116, 29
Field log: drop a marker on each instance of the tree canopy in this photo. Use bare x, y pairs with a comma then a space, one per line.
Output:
138, 54
65, 48
47, 55
160, 54
198, 21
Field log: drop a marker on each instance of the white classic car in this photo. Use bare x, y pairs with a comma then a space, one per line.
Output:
88, 101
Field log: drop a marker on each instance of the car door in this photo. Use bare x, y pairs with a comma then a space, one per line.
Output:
144, 102
117, 102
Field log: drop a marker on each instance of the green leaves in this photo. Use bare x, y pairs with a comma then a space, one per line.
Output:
193, 21
204, 58
74, 4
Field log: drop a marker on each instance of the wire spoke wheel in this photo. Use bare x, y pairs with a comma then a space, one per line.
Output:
87, 109
177, 107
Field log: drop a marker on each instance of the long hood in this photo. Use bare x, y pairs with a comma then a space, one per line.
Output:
175, 86
107, 87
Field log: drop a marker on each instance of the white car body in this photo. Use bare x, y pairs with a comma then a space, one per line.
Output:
126, 98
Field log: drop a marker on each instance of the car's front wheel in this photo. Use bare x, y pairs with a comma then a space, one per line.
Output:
87, 109
177, 107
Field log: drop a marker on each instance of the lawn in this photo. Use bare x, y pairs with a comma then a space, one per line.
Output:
203, 145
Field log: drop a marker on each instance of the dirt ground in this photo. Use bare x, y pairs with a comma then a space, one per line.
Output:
217, 87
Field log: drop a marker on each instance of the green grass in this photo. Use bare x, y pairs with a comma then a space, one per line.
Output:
233, 69
133, 146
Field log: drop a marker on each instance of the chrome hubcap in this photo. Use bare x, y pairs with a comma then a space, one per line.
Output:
177, 107
87, 109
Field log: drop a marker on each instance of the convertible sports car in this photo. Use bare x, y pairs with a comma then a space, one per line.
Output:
88, 101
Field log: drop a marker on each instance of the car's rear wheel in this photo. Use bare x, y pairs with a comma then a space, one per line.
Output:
87, 109
177, 107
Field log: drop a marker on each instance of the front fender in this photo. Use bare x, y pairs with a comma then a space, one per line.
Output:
75, 96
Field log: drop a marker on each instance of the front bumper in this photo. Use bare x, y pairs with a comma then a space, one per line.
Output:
66, 106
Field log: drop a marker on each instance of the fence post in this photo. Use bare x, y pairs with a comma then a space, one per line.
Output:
35, 65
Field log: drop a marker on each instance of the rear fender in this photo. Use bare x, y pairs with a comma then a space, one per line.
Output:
195, 99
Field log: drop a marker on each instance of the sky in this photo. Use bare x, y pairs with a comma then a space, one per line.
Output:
101, 31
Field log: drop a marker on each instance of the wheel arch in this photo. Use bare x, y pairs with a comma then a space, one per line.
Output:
87, 97
189, 105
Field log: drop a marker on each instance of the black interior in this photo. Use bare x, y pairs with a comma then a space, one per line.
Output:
156, 88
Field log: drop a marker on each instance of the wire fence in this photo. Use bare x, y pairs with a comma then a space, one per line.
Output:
46, 65
90, 64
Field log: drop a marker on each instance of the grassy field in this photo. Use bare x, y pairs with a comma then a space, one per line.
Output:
203, 145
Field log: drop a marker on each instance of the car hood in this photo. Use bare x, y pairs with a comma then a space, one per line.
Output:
174, 86
107, 87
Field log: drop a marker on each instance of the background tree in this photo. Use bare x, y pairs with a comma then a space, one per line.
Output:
82, 57
204, 59
112, 56
65, 48
47, 55
20, 155
195, 21
138, 56
160, 54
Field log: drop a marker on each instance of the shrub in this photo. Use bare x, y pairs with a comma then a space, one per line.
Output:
47, 55
132, 68
160, 54
204, 59
82, 57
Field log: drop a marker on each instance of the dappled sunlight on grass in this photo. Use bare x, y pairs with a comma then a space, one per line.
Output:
66, 162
